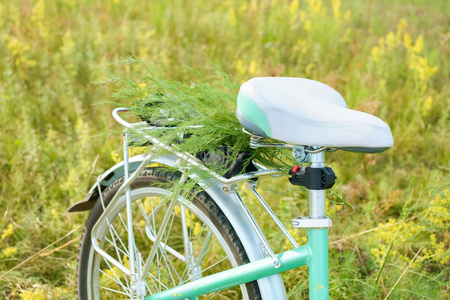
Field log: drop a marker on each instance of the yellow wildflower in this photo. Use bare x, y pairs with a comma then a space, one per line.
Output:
402, 24
232, 17
391, 40
438, 212
20, 52
7, 232
188, 218
33, 295
407, 41
376, 53
151, 203
197, 228
315, 8
54, 213
378, 252
426, 106
253, 5
295, 233
38, 12
68, 44
244, 6
240, 67
308, 25
336, 4
293, 10
347, 15
116, 157
110, 272
7, 252
334, 208
420, 66
418, 45
252, 68
38, 17
392, 232
439, 250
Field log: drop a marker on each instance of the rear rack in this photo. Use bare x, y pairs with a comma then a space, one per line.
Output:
145, 130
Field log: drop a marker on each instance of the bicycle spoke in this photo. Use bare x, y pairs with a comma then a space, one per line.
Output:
151, 235
199, 260
113, 290
158, 263
160, 283
198, 239
123, 222
205, 247
126, 230
173, 266
207, 268
169, 227
184, 228
168, 268
143, 213
154, 284
148, 288
120, 240
114, 244
118, 281
118, 249
216, 293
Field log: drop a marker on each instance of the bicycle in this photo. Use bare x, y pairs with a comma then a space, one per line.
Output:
146, 240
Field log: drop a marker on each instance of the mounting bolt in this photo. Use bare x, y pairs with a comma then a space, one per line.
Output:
276, 263
228, 188
300, 154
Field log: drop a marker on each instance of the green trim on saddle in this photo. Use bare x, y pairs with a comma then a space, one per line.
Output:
253, 113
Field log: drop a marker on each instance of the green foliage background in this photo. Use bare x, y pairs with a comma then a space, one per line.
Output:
388, 58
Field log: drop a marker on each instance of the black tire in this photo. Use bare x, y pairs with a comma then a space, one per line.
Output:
93, 269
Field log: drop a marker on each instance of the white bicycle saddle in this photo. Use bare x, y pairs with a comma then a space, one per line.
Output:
309, 113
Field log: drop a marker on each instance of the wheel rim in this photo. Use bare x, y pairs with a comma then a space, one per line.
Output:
188, 250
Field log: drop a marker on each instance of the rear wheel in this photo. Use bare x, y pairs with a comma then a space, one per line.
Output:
198, 241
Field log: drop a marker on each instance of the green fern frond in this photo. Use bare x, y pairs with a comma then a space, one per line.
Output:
196, 116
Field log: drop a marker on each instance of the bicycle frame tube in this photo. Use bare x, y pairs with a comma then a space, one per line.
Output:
314, 254
236, 276
318, 263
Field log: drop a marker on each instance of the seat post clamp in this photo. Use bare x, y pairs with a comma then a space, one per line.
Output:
307, 222
312, 178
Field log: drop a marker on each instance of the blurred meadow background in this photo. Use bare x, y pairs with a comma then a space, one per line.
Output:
387, 58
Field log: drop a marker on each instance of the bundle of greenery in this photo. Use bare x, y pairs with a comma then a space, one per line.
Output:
197, 117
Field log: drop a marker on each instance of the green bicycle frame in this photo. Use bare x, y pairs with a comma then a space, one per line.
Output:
314, 254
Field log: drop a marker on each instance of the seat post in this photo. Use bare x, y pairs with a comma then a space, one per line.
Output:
316, 178
317, 202
318, 238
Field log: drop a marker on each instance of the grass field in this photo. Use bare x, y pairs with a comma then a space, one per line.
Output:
387, 58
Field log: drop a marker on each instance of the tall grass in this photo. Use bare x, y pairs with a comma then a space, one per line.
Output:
387, 58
